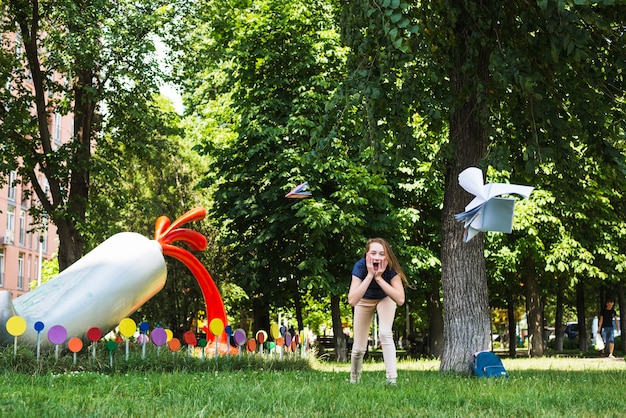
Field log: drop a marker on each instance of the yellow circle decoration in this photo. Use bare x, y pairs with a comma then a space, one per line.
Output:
274, 331
216, 326
128, 327
16, 325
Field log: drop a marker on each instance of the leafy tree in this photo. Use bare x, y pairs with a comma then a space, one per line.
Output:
131, 188
91, 60
516, 80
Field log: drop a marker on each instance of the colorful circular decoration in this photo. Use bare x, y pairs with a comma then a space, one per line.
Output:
159, 336
111, 345
251, 345
39, 326
144, 327
75, 344
274, 331
57, 334
169, 334
128, 327
202, 343
94, 334
239, 337
174, 344
190, 338
142, 339
16, 325
261, 336
216, 326
288, 339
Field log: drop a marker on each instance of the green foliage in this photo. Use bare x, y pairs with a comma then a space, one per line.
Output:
92, 63
534, 388
49, 269
156, 361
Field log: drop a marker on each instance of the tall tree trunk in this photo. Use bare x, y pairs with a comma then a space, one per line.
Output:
298, 307
534, 311
581, 315
621, 298
558, 320
435, 324
261, 314
464, 281
510, 304
339, 337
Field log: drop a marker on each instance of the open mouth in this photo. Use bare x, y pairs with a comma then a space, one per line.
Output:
376, 264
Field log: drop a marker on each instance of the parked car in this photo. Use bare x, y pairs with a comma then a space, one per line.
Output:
571, 330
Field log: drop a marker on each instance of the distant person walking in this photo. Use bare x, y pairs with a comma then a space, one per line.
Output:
377, 285
608, 316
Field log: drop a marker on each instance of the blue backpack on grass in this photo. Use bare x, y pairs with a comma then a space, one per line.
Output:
487, 364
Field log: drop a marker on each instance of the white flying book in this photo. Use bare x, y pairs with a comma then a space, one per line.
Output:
299, 192
487, 211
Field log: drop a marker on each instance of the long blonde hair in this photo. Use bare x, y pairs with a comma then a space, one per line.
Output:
392, 261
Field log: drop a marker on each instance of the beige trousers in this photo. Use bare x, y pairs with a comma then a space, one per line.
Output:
363, 314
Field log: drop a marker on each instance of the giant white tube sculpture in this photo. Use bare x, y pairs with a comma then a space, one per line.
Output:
111, 282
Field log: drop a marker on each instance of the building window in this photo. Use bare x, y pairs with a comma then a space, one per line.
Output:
22, 232
29, 270
10, 225
20, 271
56, 131
1, 268
12, 185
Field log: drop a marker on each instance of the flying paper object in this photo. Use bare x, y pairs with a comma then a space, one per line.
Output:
299, 192
487, 211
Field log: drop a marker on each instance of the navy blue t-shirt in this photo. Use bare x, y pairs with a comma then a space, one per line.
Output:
373, 291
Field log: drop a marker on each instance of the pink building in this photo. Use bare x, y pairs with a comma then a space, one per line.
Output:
21, 246
24, 245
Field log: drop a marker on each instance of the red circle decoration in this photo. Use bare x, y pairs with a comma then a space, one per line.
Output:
190, 338
94, 334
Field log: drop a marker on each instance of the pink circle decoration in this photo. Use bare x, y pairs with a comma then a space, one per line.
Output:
159, 336
57, 334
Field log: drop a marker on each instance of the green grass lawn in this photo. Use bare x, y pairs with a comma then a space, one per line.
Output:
549, 387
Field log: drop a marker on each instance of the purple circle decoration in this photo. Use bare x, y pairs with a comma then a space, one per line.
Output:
239, 337
57, 334
159, 336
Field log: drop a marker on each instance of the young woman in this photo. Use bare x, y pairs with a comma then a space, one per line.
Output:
377, 284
